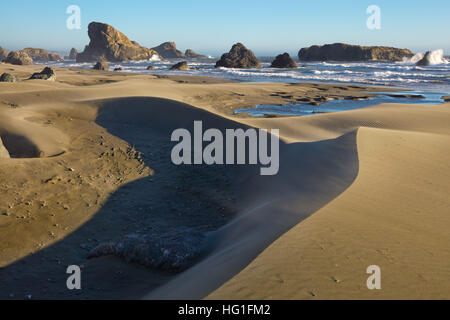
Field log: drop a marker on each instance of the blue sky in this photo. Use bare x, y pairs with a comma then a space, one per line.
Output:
211, 26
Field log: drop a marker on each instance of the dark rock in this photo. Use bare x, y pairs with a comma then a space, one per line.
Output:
346, 52
193, 55
180, 66
46, 74
41, 55
6, 77
238, 57
101, 65
3, 54
168, 50
73, 54
111, 44
151, 68
283, 61
118, 69
174, 251
425, 61
18, 58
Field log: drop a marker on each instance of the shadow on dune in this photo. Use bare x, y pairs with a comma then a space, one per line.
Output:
242, 211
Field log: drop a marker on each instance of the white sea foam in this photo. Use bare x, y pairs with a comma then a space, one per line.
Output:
436, 57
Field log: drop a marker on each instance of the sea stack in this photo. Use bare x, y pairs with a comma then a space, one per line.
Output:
168, 50
284, 61
193, 55
73, 54
347, 52
238, 57
18, 58
41, 55
113, 45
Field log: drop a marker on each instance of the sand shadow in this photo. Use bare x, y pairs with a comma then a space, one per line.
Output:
243, 211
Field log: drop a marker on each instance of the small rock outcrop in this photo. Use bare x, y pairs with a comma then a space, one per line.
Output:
101, 65
41, 55
193, 55
73, 54
3, 54
183, 66
168, 50
18, 58
426, 60
284, 61
46, 74
238, 57
151, 68
113, 45
7, 77
347, 52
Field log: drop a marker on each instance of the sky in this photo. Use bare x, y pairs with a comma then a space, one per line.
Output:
212, 26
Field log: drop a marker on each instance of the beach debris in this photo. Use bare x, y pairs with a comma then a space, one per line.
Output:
283, 61
7, 77
174, 251
46, 74
238, 57
183, 66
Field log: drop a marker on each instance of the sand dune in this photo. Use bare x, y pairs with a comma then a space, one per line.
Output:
355, 188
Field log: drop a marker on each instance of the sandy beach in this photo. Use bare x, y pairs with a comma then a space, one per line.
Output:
86, 159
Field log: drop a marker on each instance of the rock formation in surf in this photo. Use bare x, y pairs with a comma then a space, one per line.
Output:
168, 50
46, 74
346, 52
284, 61
18, 58
192, 54
3, 54
183, 66
73, 54
238, 57
426, 60
101, 65
112, 45
41, 55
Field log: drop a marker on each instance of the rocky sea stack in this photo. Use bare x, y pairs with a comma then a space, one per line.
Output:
192, 54
41, 55
426, 60
112, 45
18, 58
238, 57
168, 50
73, 54
346, 52
284, 61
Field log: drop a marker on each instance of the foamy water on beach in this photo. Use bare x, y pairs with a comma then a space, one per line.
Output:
404, 74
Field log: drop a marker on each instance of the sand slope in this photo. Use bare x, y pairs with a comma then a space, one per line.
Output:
356, 188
